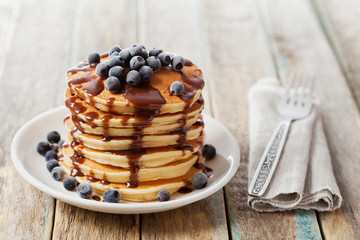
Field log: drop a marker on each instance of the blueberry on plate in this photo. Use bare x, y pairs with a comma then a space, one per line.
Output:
55, 147
154, 63
118, 72
177, 63
84, 190
116, 61
51, 155
102, 70
69, 183
50, 165
136, 50
53, 137
115, 48
176, 88
125, 54
133, 78
57, 173
112, 196
208, 151
113, 84
146, 73
155, 51
165, 58
94, 58
163, 196
43, 147
199, 180
137, 62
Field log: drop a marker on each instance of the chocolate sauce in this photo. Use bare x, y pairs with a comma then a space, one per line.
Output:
96, 198
185, 190
190, 88
91, 116
95, 87
105, 124
110, 103
74, 107
208, 172
134, 157
92, 179
82, 67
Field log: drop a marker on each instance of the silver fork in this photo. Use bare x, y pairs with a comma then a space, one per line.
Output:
295, 104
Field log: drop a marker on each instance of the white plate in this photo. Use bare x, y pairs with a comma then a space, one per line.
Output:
32, 166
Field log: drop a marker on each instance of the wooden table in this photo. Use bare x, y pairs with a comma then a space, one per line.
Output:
235, 42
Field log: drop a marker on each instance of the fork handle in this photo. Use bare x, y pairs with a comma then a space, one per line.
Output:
269, 160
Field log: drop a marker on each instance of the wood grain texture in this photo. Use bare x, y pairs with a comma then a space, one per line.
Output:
178, 32
239, 57
313, 55
33, 62
96, 27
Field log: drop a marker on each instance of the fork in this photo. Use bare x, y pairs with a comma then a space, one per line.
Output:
295, 104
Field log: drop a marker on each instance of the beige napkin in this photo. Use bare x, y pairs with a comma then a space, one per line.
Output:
304, 177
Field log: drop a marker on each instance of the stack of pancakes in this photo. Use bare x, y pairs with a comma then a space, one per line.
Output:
141, 140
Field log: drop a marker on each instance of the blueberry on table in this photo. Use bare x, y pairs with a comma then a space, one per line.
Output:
177, 63
165, 58
118, 72
199, 180
115, 48
102, 70
43, 147
50, 165
146, 73
137, 62
155, 51
113, 84
136, 50
57, 173
163, 196
94, 58
51, 155
176, 88
116, 61
133, 78
53, 137
69, 183
208, 151
84, 190
154, 63
125, 54
112, 196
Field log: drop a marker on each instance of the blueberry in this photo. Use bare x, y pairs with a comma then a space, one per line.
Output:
102, 70
125, 54
55, 147
154, 63
136, 50
51, 155
144, 54
69, 183
51, 164
165, 58
163, 196
53, 137
112, 84
112, 196
94, 58
118, 72
57, 173
84, 190
155, 51
113, 54
137, 62
208, 151
43, 147
176, 88
199, 180
133, 78
115, 48
116, 61
61, 143
177, 63
146, 73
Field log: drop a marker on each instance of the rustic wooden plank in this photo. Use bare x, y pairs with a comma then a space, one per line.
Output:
313, 54
35, 62
97, 26
179, 31
240, 55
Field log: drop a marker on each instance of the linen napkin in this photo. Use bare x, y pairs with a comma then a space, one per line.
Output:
304, 177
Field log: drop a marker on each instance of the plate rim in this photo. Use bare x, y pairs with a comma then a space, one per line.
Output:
135, 207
